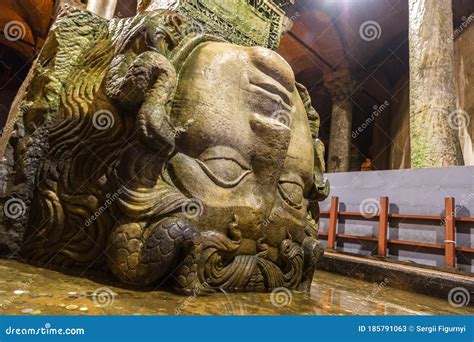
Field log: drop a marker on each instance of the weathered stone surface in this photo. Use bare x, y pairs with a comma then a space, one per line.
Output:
432, 90
341, 87
242, 22
165, 154
400, 156
464, 72
103, 8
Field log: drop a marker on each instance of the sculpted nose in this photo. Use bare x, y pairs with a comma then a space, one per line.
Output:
273, 65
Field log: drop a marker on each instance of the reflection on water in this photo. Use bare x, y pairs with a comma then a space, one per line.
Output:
27, 290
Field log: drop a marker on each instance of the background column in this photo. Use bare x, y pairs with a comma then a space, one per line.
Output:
103, 8
341, 86
432, 92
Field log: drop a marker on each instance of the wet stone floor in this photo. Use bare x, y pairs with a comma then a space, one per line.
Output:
28, 290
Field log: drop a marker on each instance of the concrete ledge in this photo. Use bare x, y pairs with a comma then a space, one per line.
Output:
411, 278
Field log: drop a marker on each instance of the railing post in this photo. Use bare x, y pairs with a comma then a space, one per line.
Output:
450, 232
333, 222
383, 227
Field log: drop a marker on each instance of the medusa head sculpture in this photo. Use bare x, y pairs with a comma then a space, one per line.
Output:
167, 156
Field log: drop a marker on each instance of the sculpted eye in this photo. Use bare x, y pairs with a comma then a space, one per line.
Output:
292, 193
225, 172
224, 165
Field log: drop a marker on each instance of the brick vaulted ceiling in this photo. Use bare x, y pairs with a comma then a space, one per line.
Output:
330, 28
325, 33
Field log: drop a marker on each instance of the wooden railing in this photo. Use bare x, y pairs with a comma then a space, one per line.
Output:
384, 217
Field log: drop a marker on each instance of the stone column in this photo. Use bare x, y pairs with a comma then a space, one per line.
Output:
432, 92
103, 8
341, 86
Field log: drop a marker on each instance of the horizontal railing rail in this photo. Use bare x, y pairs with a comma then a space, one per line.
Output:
384, 217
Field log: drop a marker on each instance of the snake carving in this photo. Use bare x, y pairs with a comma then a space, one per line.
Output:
166, 157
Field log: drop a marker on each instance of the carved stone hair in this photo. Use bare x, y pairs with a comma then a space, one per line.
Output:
90, 84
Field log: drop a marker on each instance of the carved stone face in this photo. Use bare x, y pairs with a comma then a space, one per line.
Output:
247, 150
228, 129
